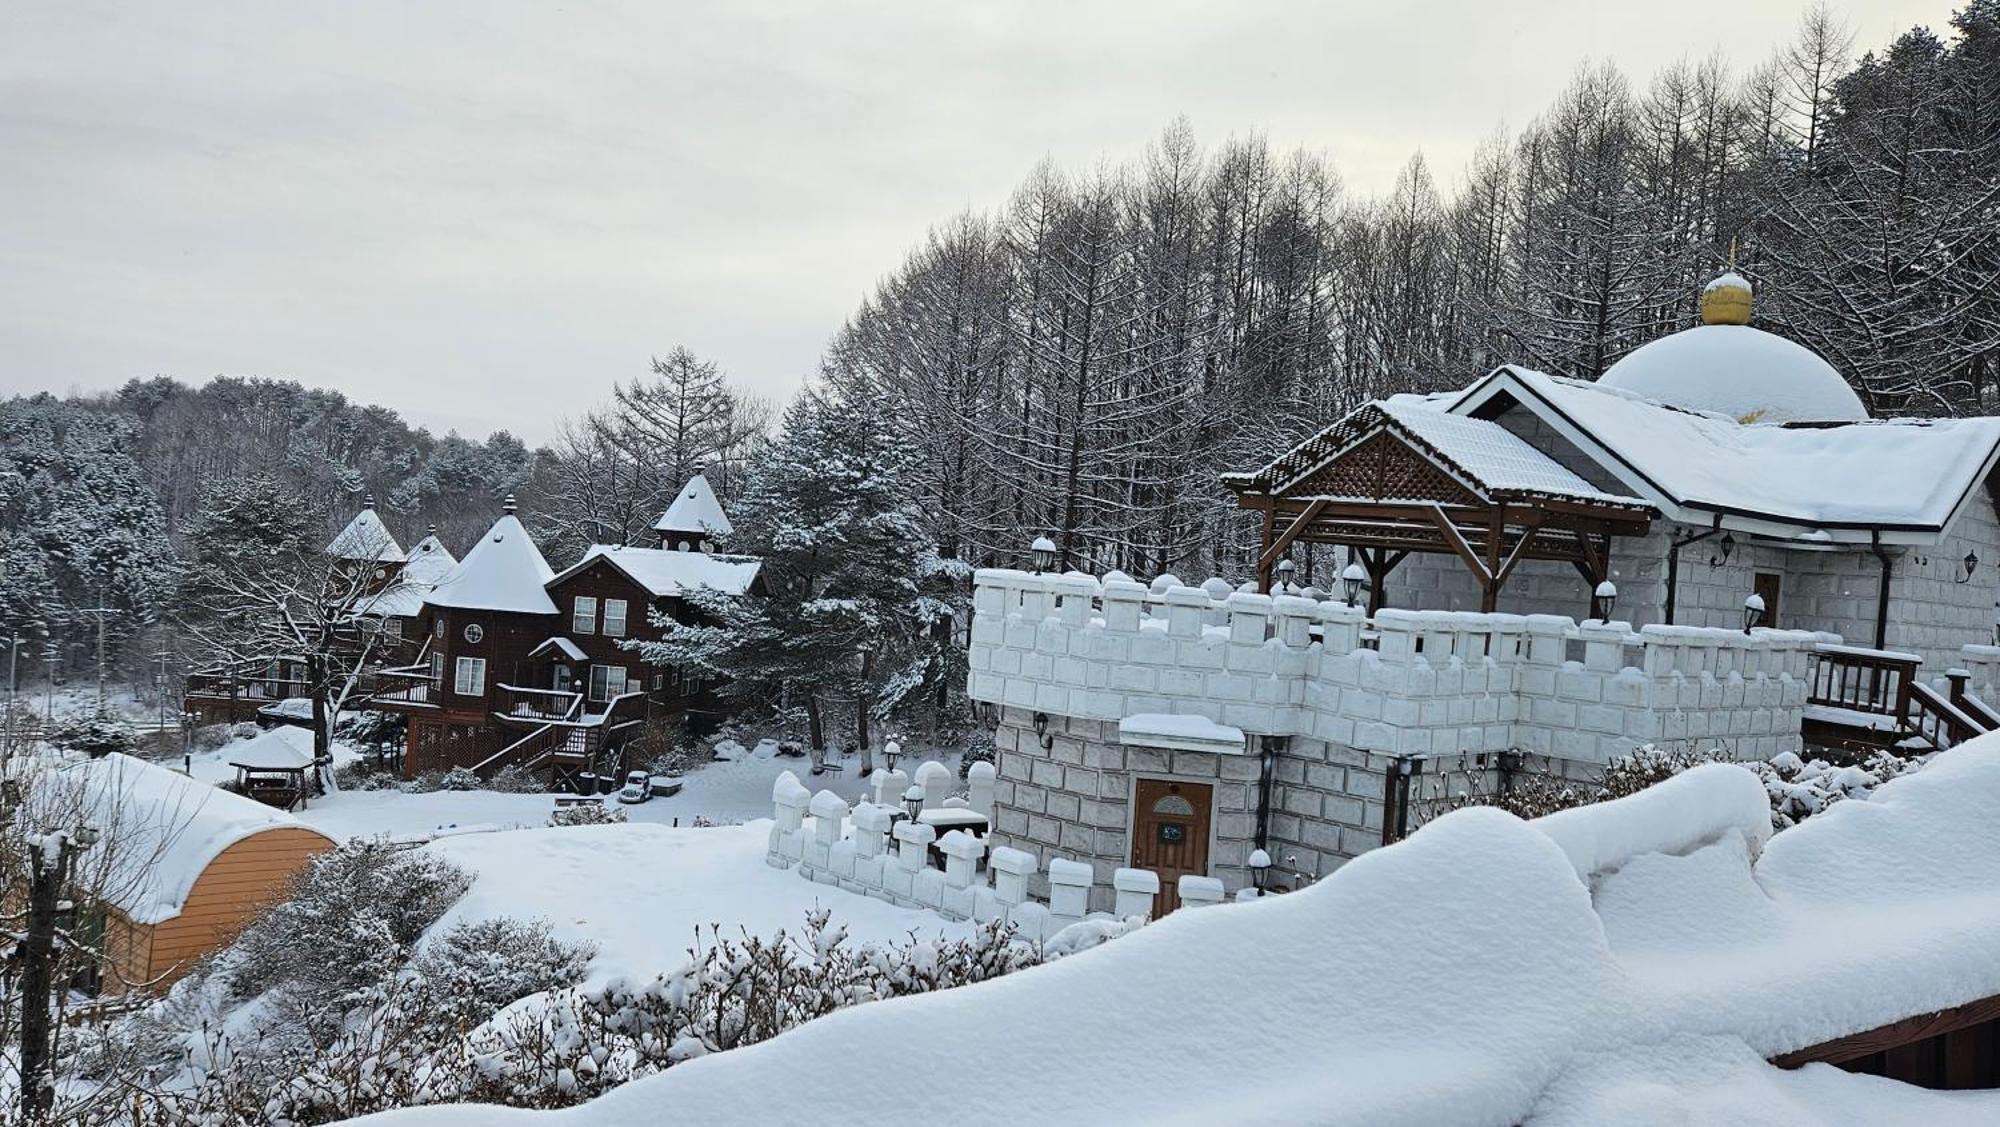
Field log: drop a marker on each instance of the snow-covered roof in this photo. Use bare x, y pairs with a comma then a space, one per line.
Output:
1483, 455
1636, 961
366, 538
664, 572
503, 572
284, 748
429, 562
1735, 370
695, 509
563, 646
1893, 473
162, 829
1180, 732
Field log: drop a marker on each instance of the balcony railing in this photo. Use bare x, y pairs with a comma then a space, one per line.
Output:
538, 706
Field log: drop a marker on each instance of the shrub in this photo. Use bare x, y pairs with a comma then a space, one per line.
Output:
93, 734
425, 782
475, 969
369, 728
461, 778
365, 774
586, 814
513, 779
208, 737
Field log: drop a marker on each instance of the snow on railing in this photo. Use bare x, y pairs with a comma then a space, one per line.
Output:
1405, 682
875, 849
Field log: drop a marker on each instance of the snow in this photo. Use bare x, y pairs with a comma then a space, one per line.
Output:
1654, 998
694, 510
366, 538
284, 748
1735, 370
503, 572
1498, 458
640, 891
429, 562
163, 829
1728, 280
569, 649
665, 572
1186, 733
1813, 476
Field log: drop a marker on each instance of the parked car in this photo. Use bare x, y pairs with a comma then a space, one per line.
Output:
638, 787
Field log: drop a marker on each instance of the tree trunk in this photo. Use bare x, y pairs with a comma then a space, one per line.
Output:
815, 725
37, 956
864, 700
322, 724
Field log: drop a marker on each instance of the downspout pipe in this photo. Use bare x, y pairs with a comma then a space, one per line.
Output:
1674, 562
1882, 593
1267, 774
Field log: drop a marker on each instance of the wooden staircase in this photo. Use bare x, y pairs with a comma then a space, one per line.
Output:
1861, 699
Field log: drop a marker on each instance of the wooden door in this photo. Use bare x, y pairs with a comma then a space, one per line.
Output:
1766, 585
1170, 834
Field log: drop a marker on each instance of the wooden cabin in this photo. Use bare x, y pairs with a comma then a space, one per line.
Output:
188, 865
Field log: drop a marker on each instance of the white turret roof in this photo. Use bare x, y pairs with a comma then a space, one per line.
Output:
694, 510
503, 572
366, 538
430, 561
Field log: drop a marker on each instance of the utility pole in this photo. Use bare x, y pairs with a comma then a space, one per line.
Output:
160, 690
50, 857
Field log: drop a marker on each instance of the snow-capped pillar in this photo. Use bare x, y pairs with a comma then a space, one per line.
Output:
1199, 892
1124, 605
962, 852
935, 778
1508, 632
1437, 631
1069, 890
1074, 593
979, 782
1340, 627
1249, 618
990, 588
1546, 634
1036, 599
888, 786
1604, 645
1135, 890
871, 829
790, 798
1295, 618
1185, 606
1396, 630
829, 812
1011, 869
1659, 652
913, 841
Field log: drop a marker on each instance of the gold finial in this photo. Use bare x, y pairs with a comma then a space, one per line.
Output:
1726, 300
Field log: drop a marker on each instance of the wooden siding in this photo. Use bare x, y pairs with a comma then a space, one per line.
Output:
240, 882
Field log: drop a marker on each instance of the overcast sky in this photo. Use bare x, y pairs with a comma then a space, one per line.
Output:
484, 213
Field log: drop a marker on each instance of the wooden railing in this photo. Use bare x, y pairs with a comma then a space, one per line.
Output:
1862, 680
555, 742
1937, 718
409, 684
520, 703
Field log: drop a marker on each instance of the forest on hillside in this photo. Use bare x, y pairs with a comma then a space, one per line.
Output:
1084, 360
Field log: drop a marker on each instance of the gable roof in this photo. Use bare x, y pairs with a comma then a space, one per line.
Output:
1484, 457
665, 572
1908, 476
503, 572
695, 509
366, 538
165, 828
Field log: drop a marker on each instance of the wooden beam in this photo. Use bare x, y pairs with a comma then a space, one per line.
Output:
1456, 539
1904, 1032
1273, 549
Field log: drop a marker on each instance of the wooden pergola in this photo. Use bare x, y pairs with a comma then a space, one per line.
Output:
1386, 488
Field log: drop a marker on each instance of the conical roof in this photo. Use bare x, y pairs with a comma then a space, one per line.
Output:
430, 561
366, 538
694, 510
503, 572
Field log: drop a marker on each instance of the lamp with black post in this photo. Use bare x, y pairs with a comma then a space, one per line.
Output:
1753, 612
1603, 601
1286, 568
1043, 553
1353, 580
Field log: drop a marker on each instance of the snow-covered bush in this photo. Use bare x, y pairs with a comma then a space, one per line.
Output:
95, 734
365, 774
586, 814
352, 921
372, 729
1801, 788
425, 782
513, 779
208, 737
461, 778
475, 968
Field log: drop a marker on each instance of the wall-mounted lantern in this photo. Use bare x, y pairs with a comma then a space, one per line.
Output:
1723, 547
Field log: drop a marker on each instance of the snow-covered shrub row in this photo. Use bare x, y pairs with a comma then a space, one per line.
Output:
515, 779
1798, 788
94, 734
586, 814
476, 968
461, 778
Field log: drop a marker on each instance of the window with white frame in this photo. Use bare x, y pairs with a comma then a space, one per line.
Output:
614, 618
470, 680
583, 619
437, 670
606, 681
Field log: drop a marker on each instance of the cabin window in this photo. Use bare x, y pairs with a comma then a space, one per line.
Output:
475, 633
471, 678
437, 670
393, 628
437, 628
583, 619
614, 618
606, 681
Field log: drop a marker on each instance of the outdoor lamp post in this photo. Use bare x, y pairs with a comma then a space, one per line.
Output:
1753, 612
891, 751
1352, 579
1260, 869
1285, 569
1044, 553
913, 801
1603, 600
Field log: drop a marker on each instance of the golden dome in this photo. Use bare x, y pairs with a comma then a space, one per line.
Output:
1726, 301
